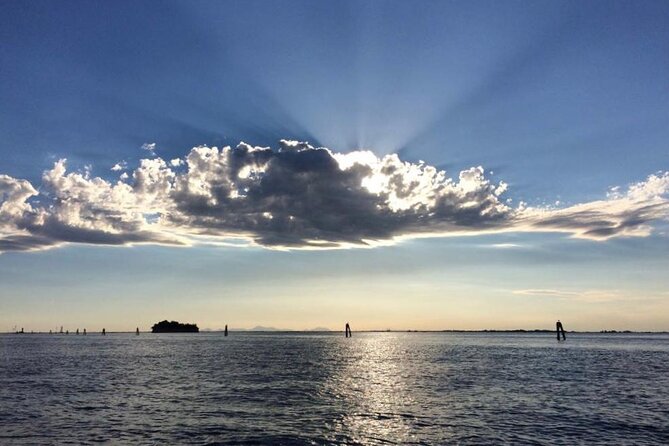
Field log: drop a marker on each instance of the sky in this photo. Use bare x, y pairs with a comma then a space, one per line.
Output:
299, 164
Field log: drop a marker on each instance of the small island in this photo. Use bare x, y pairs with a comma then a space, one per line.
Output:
174, 327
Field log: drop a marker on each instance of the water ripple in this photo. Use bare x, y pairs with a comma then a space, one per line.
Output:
297, 389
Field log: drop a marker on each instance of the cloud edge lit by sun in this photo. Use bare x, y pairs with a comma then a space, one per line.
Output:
296, 197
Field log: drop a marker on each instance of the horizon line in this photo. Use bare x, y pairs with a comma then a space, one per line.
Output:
270, 330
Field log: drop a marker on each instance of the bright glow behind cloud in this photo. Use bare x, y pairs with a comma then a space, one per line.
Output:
296, 197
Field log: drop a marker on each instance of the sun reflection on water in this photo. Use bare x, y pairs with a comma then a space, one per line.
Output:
373, 387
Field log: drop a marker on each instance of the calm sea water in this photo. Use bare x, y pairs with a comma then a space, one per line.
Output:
376, 388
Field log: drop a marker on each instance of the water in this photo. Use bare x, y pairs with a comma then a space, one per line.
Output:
376, 388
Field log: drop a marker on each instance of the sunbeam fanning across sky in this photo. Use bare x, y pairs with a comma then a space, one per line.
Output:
299, 222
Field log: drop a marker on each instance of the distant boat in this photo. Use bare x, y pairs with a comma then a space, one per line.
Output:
137, 331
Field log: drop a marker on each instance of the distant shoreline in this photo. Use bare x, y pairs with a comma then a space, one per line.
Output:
277, 331
517, 330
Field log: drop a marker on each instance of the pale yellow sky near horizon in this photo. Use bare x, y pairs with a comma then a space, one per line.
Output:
367, 306
435, 284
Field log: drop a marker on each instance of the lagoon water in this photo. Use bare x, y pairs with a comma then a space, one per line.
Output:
320, 388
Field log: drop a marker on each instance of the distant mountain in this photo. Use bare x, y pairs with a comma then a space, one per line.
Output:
261, 328
264, 328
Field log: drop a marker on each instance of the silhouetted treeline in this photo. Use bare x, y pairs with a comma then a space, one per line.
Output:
174, 327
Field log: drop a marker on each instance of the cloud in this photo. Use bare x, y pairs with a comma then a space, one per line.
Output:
119, 166
302, 196
149, 147
588, 295
547, 293
503, 246
296, 197
13, 198
621, 214
14, 215
81, 210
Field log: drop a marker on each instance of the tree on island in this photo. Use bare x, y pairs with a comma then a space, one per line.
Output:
174, 327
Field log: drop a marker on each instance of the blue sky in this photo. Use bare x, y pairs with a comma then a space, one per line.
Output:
559, 100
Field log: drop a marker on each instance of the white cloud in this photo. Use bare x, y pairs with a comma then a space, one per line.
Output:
119, 166
587, 295
628, 213
298, 197
503, 246
15, 214
13, 196
149, 147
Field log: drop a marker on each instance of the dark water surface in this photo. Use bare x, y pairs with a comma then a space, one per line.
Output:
376, 388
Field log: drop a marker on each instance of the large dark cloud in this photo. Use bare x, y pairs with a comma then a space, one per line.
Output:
295, 197
303, 196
